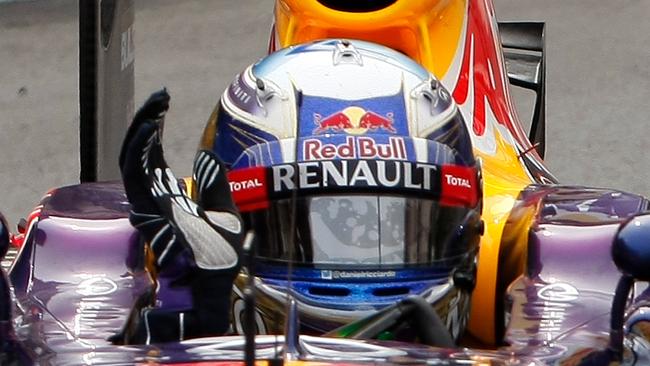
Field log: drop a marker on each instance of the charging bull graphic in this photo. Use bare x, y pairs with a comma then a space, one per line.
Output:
353, 120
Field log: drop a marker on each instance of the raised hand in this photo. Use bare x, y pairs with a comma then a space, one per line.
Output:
196, 244
161, 209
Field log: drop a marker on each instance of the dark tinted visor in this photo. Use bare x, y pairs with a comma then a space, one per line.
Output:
364, 230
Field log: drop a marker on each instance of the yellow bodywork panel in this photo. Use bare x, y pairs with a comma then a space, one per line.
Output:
503, 179
407, 26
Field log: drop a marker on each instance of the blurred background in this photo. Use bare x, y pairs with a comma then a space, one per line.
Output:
598, 84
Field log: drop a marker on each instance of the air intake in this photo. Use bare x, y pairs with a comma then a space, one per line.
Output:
357, 6
390, 291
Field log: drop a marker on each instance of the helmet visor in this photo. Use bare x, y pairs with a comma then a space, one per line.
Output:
364, 230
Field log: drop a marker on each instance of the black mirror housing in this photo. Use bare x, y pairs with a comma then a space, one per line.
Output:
631, 248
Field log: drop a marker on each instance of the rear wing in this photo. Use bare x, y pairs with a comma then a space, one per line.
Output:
524, 52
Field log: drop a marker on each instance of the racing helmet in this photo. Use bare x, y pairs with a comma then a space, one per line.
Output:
354, 168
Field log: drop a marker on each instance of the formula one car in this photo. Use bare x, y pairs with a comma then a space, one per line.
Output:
547, 290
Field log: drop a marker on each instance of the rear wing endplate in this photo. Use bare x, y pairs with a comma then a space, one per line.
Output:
524, 52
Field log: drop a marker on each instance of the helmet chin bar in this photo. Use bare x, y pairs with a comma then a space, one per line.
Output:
413, 310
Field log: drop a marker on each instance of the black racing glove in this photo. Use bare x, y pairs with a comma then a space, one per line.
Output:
210, 232
161, 210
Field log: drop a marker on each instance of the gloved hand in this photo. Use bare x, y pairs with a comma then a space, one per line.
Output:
161, 209
209, 231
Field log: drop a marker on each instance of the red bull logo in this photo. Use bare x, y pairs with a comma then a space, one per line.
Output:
355, 121
362, 147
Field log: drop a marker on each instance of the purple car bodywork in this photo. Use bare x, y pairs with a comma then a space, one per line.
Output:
81, 269
563, 300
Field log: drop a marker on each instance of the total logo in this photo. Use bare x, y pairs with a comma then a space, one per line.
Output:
457, 181
353, 120
245, 184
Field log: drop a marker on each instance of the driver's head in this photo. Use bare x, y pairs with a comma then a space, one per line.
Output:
353, 163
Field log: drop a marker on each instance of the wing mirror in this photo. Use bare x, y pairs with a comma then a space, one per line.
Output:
631, 254
631, 249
